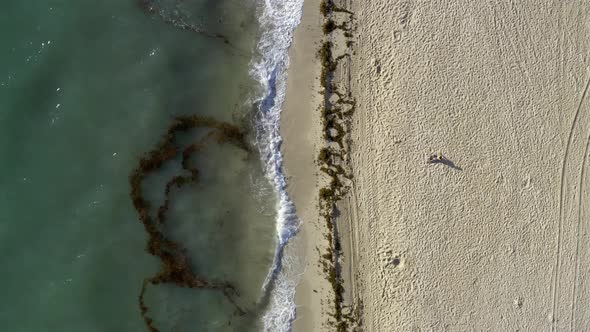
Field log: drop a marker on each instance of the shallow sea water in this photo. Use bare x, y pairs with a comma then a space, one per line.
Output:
86, 88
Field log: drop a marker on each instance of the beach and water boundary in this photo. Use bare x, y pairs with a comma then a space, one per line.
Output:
278, 20
97, 85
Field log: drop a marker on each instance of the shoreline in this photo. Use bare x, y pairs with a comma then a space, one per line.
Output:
315, 126
301, 142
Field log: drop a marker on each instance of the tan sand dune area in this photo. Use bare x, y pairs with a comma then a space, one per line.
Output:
470, 203
498, 88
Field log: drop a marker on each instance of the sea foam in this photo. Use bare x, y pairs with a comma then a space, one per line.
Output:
278, 20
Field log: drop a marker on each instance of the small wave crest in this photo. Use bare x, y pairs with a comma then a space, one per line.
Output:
278, 20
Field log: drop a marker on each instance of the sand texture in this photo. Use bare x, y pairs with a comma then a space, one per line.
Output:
300, 127
495, 237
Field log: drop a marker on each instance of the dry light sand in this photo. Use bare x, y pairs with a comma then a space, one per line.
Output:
497, 238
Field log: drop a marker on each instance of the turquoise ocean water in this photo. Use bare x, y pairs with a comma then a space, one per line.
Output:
88, 87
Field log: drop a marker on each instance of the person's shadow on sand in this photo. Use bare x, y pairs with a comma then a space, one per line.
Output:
440, 159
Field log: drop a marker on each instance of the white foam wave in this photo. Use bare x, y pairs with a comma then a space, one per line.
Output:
278, 19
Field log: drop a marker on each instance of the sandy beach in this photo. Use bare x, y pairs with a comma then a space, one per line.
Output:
300, 127
493, 234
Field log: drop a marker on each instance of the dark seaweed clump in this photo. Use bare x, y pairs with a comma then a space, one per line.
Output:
327, 7
175, 268
336, 124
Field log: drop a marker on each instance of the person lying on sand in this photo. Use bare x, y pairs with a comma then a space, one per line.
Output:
435, 158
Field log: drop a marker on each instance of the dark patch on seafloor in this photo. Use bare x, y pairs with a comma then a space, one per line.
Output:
151, 7
175, 268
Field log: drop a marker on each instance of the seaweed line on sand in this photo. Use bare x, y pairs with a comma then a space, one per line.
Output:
333, 158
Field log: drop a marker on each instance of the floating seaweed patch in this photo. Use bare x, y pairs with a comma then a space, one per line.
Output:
175, 268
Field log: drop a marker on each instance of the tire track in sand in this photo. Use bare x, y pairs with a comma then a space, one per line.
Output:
557, 264
579, 221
